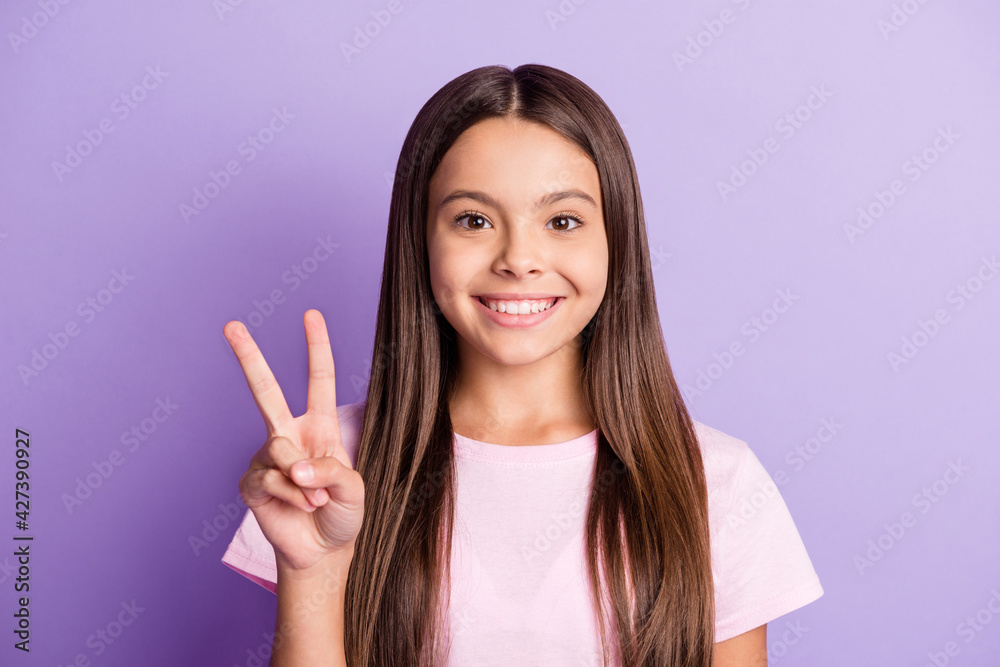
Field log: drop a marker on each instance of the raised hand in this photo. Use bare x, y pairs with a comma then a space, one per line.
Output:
301, 486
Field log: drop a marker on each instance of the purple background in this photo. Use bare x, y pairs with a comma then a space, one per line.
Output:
719, 262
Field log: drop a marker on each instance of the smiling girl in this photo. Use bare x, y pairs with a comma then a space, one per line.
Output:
523, 484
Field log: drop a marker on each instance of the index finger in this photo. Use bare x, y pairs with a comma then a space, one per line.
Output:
266, 392
322, 394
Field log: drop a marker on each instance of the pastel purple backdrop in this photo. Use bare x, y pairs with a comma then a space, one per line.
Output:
866, 378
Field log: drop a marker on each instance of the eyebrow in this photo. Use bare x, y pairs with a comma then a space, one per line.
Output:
544, 200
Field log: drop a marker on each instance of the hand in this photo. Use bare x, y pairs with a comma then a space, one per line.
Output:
305, 518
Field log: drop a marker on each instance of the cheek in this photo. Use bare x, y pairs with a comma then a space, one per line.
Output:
439, 262
450, 274
590, 271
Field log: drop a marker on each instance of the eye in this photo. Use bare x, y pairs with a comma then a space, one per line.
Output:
474, 217
564, 220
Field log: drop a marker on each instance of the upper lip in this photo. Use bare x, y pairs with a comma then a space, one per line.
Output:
510, 296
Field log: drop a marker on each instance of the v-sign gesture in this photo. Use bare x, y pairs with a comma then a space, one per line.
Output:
301, 486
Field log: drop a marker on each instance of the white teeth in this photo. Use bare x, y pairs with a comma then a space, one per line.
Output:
519, 307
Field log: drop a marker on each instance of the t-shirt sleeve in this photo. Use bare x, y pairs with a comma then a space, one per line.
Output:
764, 570
250, 554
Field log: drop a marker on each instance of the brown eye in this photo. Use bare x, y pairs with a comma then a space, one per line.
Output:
566, 223
476, 221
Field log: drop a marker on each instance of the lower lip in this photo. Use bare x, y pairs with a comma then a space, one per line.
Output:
518, 321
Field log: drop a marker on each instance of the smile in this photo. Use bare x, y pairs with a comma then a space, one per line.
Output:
523, 307
528, 312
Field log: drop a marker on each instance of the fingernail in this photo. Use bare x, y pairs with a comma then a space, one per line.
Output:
304, 472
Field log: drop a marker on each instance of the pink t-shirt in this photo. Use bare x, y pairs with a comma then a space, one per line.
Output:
519, 587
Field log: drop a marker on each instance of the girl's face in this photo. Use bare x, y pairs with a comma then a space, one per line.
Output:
515, 214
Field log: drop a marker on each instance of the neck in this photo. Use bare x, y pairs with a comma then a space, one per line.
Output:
531, 404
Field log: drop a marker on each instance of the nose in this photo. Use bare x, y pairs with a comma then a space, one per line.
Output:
520, 252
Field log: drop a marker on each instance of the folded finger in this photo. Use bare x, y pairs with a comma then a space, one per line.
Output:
280, 453
326, 472
265, 484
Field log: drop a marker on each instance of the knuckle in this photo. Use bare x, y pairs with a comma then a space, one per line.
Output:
262, 385
328, 468
244, 486
280, 447
250, 484
321, 373
324, 470
266, 480
260, 459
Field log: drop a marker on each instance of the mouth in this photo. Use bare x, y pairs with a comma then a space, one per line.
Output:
519, 306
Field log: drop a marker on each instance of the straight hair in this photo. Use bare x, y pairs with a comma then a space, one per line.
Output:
647, 536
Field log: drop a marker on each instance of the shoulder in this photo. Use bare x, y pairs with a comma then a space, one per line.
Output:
722, 454
727, 461
350, 416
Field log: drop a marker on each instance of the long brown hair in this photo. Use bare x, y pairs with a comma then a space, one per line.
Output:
647, 519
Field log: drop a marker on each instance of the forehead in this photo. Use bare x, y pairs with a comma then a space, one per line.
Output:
514, 158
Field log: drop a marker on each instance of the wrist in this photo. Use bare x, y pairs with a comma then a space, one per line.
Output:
334, 563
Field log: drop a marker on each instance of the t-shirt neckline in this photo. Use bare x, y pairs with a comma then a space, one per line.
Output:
488, 451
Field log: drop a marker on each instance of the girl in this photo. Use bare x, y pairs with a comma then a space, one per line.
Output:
522, 484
